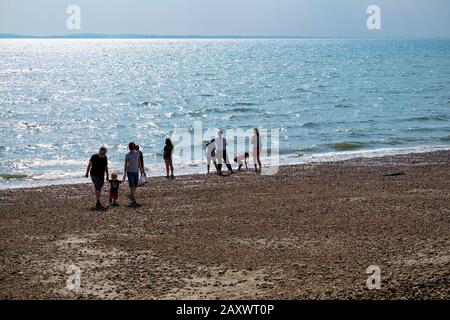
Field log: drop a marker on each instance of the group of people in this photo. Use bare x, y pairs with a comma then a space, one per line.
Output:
215, 151
98, 169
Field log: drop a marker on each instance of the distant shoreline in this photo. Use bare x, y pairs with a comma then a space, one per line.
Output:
157, 36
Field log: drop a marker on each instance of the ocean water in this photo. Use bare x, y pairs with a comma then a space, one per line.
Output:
330, 99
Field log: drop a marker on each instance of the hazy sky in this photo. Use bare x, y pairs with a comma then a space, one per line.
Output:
324, 18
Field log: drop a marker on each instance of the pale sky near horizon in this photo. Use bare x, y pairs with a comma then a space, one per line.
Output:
321, 18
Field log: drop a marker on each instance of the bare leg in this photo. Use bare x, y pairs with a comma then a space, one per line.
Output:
258, 160
167, 168
227, 161
171, 167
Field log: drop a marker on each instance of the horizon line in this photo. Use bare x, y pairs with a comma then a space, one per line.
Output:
198, 36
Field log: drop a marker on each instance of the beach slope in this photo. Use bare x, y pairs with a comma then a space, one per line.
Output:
309, 232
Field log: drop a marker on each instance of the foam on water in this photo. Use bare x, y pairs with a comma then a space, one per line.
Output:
56, 177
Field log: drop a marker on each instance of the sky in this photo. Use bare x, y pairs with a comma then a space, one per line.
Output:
308, 18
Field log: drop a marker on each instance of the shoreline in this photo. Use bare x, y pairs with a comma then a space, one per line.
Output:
314, 158
308, 232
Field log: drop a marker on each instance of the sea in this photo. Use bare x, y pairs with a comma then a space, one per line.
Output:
327, 99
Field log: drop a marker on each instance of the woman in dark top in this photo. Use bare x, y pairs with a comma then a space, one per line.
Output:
141, 157
97, 167
168, 150
256, 141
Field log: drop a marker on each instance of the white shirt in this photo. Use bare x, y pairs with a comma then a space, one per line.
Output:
221, 143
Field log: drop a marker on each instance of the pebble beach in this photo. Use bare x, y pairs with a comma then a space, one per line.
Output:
308, 232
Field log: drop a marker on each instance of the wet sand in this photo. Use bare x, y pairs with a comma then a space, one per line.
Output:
309, 232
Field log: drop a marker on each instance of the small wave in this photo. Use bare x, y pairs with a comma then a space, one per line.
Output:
440, 117
347, 145
309, 124
301, 89
149, 103
423, 129
239, 104
203, 111
242, 110
299, 158
302, 151
12, 176
353, 133
447, 138
400, 140
341, 105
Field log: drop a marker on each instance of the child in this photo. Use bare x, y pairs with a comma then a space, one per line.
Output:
114, 191
241, 159
210, 154
168, 151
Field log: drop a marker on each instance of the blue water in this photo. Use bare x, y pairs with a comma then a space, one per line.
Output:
61, 99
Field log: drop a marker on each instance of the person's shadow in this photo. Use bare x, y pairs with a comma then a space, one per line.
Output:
134, 205
102, 209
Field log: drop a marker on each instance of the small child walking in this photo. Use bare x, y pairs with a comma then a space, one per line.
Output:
114, 191
168, 151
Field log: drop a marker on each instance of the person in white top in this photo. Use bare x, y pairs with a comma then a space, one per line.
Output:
210, 152
221, 153
256, 142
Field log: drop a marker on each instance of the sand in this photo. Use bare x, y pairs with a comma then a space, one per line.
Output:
309, 232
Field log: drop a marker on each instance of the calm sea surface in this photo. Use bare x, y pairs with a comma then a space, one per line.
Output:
330, 99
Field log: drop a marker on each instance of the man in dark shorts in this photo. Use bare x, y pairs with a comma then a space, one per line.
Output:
131, 170
97, 167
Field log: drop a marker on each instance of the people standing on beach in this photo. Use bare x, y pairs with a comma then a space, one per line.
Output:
97, 168
256, 142
167, 155
114, 191
131, 170
221, 153
210, 152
